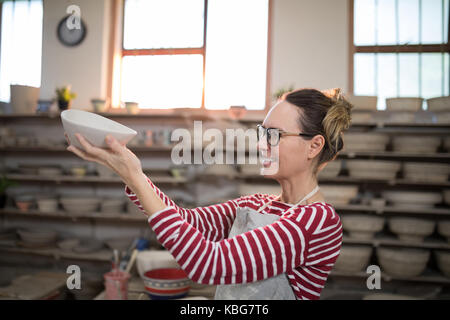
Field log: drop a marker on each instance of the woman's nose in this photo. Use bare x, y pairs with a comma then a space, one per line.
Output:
262, 145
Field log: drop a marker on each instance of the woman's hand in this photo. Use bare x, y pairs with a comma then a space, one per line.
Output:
118, 157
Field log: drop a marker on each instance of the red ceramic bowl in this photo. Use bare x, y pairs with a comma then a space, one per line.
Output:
166, 283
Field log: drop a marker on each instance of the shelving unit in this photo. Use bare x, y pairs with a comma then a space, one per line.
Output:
391, 129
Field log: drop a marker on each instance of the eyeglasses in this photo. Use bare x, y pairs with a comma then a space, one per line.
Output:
273, 135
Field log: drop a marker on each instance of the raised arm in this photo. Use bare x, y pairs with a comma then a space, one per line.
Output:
213, 222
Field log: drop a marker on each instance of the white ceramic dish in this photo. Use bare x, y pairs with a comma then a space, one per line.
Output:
353, 258
154, 259
443, 227
404, 104
367, 103
331, 170
365, 141
403, 262
94, 128
339, 194
443, 261
416, 144
439, 104
362, 226
80, 204
412, 199
47, 204
411, 229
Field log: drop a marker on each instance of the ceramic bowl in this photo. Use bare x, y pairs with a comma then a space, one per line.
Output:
411, 229
373, 169
412, 199
362, 226
121, 244
132, 107
112, 205
105, 172
443, 117
50, 171
166, 283
403, 262
68, 244
99, 105
416, 144
37, 236
443, 261
80, 204
401, 117
154, 259
367, 103
443, 227
339, 194
362, 117
439, 104
354, 141
404, 104
331, 170
353, 258
47, 204
94, 128
428, 172
24, 202
88, 246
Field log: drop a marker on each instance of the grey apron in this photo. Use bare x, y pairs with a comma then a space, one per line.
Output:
274, 288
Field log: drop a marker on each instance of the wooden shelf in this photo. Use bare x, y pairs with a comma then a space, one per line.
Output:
86, 179
389, 241
392, 209
428, 277
119, 217
103, 255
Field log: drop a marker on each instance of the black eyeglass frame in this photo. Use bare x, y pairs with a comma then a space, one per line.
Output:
281, 133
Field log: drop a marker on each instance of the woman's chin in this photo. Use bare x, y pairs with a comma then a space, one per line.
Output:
269, 169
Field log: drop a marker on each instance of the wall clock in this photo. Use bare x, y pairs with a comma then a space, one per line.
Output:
73, 36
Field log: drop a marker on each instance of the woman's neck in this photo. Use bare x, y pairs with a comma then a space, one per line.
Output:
296, 188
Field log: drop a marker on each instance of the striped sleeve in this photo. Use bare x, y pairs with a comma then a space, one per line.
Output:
251, 256
213, 222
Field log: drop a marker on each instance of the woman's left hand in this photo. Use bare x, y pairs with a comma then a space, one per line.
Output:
118, 157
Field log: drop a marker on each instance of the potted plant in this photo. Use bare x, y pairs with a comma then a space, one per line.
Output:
279, 93
65, 97
5, 183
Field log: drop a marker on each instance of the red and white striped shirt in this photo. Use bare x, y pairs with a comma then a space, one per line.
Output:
304, 244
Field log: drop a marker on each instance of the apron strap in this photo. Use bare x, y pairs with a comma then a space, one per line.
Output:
313, 191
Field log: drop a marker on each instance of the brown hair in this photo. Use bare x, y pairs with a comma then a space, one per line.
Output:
326, 113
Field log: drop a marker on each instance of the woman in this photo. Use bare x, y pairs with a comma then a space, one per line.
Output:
259, 246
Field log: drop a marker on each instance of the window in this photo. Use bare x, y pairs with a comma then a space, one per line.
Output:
196, 53
21, 45
400, 48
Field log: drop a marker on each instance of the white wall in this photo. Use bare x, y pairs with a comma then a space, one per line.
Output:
309, 47
83, 66
310, 44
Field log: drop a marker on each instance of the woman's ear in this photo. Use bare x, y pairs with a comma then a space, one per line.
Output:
316, 145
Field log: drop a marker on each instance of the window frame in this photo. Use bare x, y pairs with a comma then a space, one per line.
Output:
405, 48
201, 50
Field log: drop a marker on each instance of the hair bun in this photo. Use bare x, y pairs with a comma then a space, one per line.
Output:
338, 117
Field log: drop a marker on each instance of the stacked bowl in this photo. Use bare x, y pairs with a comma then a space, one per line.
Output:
412, 199
426, 172
339, 194
80, 204
373, 169
416, 144
355, 142
362, 226
403, 262
413, 230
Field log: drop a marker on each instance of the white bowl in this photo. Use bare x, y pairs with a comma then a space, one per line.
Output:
443, 117
362, 226
373, 169
417, 144
443, 227
94, 128
404, 104
47, 205
339, 194
355, 141
403, 262
401, 117
37, 236
154, 259
411, 229
439, 104
353, 258
411, 199
331, 169
112, 205
362, 117
367, 103
80, 204
422, 171
443, 261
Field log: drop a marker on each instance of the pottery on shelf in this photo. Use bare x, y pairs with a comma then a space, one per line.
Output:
413, 230
362, 226
404, 104
403, 262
